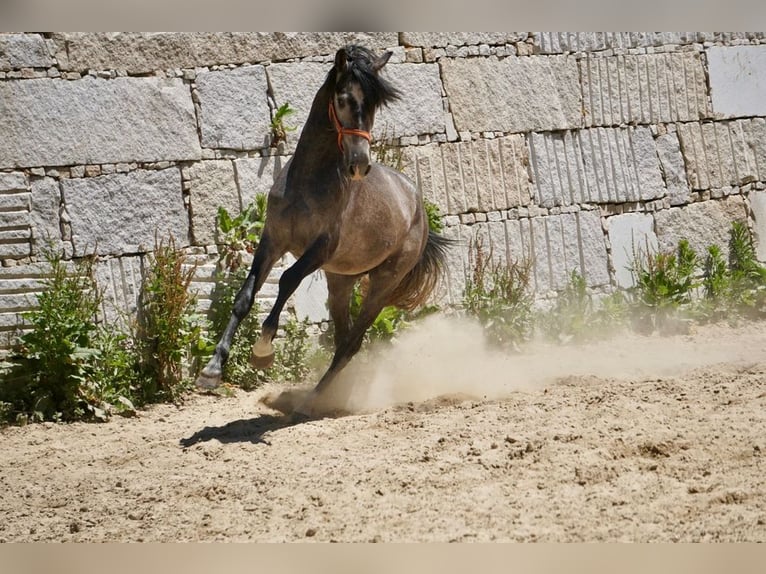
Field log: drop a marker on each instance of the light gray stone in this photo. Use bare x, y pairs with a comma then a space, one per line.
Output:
13, 181
257, 175
444, 39
738, 80
420, 109
482, 175
124, 213
644, 89
513, 94
593, 249
673, 169
296, 85
724, 153
600, 165
758, 207
44, 217
630, 234
213, 185
234, 108
137, 52
561, 42
23, 51
93, 121
120, 279
702, 224
310, 298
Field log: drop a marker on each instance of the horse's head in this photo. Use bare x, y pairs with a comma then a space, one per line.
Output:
359, 91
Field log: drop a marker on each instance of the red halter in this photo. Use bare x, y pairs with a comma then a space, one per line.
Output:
345, 131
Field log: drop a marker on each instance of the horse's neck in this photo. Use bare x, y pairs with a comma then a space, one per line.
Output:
316, 156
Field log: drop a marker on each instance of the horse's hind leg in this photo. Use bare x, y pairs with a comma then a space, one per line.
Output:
262, 354
263, 260
382, 284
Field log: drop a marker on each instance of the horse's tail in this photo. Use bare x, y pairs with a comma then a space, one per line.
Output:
420, 282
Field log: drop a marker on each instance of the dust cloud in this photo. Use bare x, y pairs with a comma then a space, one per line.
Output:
449, 356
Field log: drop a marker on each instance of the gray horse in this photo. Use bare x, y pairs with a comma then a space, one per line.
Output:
336, 210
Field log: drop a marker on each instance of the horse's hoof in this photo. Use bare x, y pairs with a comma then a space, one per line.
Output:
207, 382
261, 362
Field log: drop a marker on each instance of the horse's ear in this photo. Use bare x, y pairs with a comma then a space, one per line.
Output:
341, 61
380, 62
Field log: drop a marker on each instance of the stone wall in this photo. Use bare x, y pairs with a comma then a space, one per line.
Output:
567, 147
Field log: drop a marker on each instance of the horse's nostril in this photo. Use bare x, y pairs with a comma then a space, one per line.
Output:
366, 171
352, 169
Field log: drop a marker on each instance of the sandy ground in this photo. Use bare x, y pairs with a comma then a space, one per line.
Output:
636, 439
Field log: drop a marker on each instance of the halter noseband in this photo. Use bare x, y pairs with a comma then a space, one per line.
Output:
345, 131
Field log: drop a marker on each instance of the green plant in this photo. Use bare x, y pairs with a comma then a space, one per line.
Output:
572, 315
50, 368
169, 331
748, 277
237, 235
664, 285
279, 130
498, 295
434, 215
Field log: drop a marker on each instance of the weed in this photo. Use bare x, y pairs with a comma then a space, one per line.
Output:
279, 130
237, 235
498, 295
170, 333
664, 285
50, 368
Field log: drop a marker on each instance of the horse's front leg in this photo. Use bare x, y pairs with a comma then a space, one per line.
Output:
262, 353
263, 260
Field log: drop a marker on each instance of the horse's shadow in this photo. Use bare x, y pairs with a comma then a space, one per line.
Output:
243, 430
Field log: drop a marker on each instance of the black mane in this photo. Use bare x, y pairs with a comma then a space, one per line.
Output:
376, 89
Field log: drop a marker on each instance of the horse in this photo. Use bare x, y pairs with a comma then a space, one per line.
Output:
335, 209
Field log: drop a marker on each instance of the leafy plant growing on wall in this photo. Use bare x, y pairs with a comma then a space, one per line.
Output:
279, 129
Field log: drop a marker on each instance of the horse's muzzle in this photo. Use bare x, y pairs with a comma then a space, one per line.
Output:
357, 171
358, 162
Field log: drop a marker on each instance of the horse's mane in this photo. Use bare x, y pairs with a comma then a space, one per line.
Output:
376, 89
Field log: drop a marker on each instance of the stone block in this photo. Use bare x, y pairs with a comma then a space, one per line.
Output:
140, 52
673, 169
420, 109
563, 42
644, 89
513, 94
13, 181
598, 165
120, 278
296, 84
212, 185
481, 175
257, 175
758, 207
23, 51
724, 153
630, 234
234, 108
737, 80
592, 244
44, 217
702, 224
93, 121
444, 39
310, 298
123, 213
